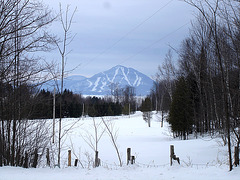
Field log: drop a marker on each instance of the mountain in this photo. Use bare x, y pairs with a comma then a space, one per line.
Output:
100, 84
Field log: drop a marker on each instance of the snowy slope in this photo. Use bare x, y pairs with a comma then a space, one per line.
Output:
203, 158
101, 83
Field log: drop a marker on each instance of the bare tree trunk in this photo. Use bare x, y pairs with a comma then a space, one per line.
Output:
93, 140
66, 25
113, 137
1, 150
54, 112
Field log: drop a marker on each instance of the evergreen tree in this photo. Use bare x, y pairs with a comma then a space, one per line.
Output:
146, 109
125, 110
110, 111
146, 105
181, 113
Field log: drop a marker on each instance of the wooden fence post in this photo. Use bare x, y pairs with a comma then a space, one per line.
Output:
75, 163
69, 157
48, 158
97, 160
128, 155
132, 159
173, 156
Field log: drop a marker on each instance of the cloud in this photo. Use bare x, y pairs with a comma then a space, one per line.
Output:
110, 32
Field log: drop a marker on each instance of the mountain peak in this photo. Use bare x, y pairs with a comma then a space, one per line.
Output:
118, 66
101, 83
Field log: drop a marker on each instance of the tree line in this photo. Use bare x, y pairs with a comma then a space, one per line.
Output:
203, 93
75, 105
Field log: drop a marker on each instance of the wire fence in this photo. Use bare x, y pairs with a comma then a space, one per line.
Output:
115, 166
89, 164
151, 165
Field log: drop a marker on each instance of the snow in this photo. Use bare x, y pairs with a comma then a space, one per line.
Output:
96, 84
125, 173
125, 76
116, 73
202, 158
90, 83
134, 83
108, 78
139, 81
104, 83
136, 80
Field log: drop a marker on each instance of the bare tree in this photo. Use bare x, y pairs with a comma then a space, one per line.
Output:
113, 134
66, 22
167, 72
92, 139
23, 30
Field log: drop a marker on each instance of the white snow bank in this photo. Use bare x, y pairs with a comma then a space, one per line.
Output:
130, 173
203, 158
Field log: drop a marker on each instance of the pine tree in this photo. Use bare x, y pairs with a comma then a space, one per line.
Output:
181, 113
146, 109
125, 110
110, 111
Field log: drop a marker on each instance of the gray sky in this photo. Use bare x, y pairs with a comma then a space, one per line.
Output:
132, 33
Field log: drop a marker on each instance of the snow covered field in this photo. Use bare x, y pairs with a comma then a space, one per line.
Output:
203, 158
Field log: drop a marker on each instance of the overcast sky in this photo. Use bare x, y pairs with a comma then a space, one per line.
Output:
132, 33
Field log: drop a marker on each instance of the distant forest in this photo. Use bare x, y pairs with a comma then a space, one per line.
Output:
75, 105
